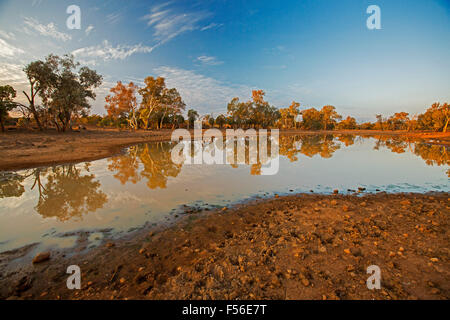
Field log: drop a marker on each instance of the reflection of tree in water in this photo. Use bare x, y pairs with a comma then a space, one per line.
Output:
347, 139
11, 184
433, 154
324, 145
395, 144
68, 194
157, 165
125, 167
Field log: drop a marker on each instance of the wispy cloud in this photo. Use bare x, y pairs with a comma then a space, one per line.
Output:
113, 18
209, 61
168, 22
12, 73
203, 93
7, 35
8, 50
211, 26
106, 52
89, 30
49, 30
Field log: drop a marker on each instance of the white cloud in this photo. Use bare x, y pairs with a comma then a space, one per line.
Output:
89, 29
203, 93
208, 60
106, 51
12, 73
7, 35
49, 30
7, 50
211, 26
168, 23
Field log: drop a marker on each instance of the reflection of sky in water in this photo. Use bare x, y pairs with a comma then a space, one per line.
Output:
131, 205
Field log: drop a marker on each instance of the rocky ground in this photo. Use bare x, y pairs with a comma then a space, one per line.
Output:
302, 246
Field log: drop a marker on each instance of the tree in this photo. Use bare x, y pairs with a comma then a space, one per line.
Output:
152, 96
221, 120
192, 116
211, 121
435, 118
379, 125
123, 103
171, 104
7, 94
68, 89
39, 74
159, 102
348, 123
311, 119
329, 116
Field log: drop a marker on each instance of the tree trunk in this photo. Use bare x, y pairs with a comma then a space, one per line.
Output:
445, 127
1, 124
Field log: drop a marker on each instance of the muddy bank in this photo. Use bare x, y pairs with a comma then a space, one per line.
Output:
21, 150
302, 246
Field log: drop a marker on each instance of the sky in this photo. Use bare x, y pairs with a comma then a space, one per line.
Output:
316, 52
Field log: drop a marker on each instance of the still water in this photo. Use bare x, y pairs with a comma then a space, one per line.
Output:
143, 187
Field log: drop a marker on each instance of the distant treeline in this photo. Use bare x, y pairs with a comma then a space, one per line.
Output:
65, 88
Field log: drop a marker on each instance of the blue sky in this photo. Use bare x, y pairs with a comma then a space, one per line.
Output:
315, 52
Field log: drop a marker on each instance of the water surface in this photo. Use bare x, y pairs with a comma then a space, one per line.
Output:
143, 187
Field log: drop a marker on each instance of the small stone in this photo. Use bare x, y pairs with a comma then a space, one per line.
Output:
305, 282
41, 257
142, 251
434, 259
435, 291
122, 280
391, 254
110, 245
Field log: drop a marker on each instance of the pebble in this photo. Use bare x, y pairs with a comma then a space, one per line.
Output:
305, 282
41, 257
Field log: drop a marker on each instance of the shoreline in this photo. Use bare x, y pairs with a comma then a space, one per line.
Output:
302, 246
27, 149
